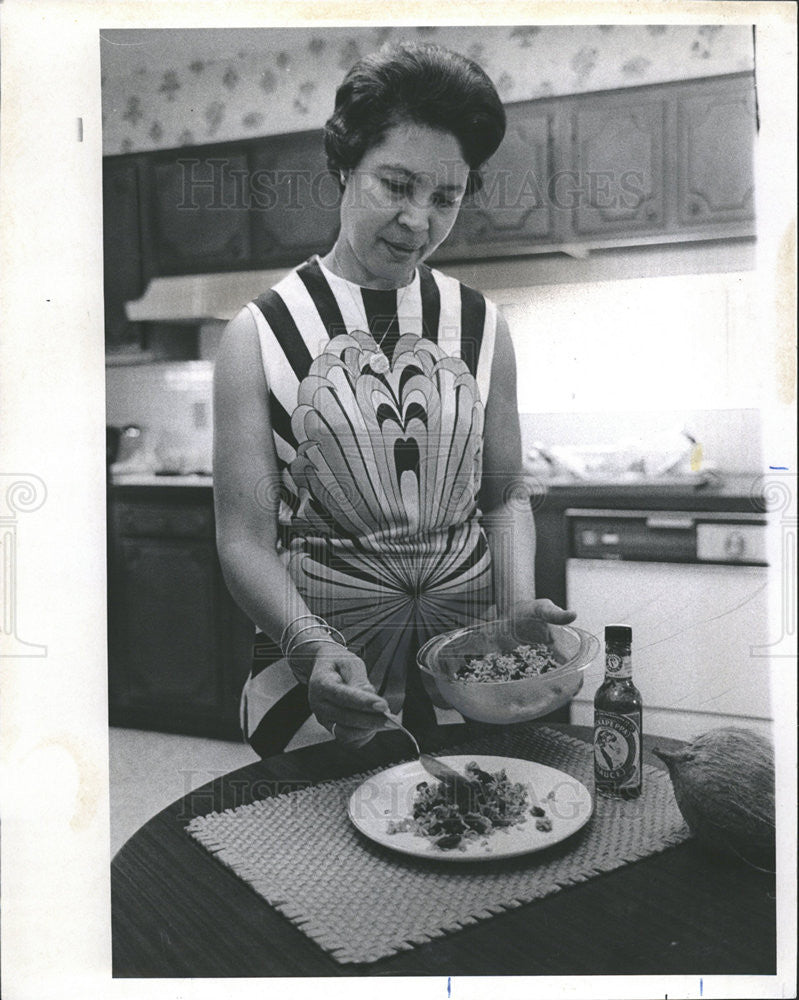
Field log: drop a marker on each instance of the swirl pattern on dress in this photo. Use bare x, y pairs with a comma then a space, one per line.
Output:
388, 470
386, 455
379, 441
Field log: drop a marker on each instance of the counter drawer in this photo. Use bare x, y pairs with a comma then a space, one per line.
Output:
152, 520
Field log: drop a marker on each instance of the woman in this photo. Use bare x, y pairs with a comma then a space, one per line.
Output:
367, 453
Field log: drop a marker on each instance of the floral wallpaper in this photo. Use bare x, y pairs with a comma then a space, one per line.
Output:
284, 80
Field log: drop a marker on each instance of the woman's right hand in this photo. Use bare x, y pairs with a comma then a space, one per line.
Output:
340, 694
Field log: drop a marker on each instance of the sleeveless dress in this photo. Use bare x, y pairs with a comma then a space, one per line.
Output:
377, 402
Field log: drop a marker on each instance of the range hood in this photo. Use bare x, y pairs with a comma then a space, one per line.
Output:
195, 298
219, 296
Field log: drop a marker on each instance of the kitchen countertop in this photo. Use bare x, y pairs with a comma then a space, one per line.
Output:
151, 479
738, 492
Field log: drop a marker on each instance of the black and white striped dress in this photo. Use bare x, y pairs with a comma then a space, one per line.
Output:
377, 403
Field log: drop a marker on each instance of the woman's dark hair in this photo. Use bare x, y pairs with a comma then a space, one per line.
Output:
421, 83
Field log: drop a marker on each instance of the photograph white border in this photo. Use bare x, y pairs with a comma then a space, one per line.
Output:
56, 938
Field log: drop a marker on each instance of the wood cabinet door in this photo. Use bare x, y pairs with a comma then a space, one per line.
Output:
715, 142
179, 648
294, 199
663, 163
550, 551
166, 610
514, 208
616, 180
198, 211
122, 253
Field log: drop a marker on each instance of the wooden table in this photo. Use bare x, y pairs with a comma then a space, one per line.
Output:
176, 911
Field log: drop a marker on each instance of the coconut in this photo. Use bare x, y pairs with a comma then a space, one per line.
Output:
724, 786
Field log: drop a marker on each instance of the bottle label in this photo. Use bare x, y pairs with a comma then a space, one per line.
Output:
617, 748
617, 665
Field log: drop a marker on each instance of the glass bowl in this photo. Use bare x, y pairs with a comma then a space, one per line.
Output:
507, 701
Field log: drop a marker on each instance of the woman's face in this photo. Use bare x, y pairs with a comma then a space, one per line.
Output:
399, 204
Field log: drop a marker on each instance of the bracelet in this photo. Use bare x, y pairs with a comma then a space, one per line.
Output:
292, 643
304, 642
294, 621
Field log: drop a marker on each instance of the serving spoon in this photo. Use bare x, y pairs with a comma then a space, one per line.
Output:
437, 768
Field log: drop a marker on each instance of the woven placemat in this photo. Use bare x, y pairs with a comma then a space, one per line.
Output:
361, 902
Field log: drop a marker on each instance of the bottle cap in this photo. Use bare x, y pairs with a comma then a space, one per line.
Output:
619, 633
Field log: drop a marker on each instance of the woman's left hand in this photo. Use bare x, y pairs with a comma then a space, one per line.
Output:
543, 609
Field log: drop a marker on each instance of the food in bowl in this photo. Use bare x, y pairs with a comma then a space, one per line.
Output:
569, 651
450, 822
526, 660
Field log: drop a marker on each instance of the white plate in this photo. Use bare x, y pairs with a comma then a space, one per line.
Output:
389, 796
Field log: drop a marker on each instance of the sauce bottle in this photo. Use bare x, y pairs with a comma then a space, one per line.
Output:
618, 712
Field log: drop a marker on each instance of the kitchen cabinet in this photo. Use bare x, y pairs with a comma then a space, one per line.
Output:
678, 159
123, 277
262, 203
715, 128
513, 208
617, 165
551, 551
667, 163
294, 199
179, 648
663, 163
196, 216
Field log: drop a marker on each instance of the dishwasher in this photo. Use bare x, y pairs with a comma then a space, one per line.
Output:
694, 588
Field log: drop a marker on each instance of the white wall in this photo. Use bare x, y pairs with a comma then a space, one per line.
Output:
627, 358
645, 344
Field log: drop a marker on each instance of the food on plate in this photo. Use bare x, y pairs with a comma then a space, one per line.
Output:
724, 785
526, 660
450, 818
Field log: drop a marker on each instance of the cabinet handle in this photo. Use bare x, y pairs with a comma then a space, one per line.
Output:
670, 522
